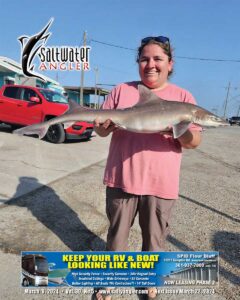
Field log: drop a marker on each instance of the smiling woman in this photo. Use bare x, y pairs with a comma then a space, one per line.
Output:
155, 61
142, 171
135, 160
154, 66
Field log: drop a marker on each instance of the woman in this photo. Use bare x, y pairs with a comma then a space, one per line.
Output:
142, 171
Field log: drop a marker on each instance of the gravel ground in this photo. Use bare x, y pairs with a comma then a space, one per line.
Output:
69, 214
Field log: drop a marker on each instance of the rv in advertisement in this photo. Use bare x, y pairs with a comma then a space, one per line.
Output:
34, 270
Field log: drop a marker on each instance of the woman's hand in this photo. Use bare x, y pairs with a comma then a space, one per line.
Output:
105, 128
190, 139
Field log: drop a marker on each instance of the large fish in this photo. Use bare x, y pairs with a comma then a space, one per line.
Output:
150, 115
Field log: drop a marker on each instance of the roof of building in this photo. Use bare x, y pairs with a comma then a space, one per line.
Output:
88, 90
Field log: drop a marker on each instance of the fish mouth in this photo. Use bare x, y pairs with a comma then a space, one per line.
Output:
224, 123
220, 122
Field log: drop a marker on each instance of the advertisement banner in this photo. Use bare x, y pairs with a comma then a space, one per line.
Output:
119, 269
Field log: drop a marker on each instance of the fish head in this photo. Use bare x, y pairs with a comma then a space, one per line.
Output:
206, 118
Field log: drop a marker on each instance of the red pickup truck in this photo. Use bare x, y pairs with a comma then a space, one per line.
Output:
25, 105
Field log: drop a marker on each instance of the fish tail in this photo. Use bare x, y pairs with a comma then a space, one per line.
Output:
38, 129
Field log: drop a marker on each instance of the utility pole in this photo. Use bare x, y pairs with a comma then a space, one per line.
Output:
96, 80
238, 110
226, 101
82, 71
99, 98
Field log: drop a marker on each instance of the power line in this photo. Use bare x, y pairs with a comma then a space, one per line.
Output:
181, 57
209, 59
116, 46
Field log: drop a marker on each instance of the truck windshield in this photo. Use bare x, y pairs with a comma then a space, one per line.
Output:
52, 96
41, 265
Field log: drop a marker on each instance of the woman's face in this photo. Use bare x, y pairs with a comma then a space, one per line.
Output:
154, 66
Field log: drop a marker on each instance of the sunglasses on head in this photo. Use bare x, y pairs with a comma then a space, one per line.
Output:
160, 39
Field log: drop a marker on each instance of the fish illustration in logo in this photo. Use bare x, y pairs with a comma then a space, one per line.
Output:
30, 49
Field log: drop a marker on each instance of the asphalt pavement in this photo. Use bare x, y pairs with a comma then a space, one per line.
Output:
52, 199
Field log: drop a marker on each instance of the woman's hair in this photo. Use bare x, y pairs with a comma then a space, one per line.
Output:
165, 46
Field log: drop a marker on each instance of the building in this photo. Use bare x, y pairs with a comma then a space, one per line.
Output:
11, 73
92, 96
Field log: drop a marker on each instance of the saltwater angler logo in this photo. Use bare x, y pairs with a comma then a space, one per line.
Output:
64, 58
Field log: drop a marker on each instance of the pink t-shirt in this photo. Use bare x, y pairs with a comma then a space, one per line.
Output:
143, 163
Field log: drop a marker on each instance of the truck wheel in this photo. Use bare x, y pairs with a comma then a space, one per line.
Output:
25, 282
56, 134
13, 126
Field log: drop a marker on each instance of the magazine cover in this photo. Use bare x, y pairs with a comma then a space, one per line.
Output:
119, 138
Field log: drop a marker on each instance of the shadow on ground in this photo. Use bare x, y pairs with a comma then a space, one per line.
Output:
57, 216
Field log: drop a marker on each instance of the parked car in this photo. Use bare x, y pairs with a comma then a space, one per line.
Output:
234, 120
25, 105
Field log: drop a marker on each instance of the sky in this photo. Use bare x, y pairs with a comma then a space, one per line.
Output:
206, 30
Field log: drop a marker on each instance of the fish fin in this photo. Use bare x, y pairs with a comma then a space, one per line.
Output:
38, 129
180, 128
67, 124
73, 107
73, 104
146, 96
120, 126
22, 38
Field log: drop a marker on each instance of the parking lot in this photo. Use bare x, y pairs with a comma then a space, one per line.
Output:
33, 162
52, 199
